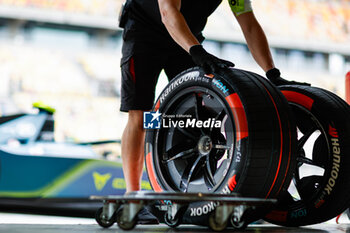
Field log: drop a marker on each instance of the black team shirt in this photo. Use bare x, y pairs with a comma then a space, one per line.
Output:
144, 31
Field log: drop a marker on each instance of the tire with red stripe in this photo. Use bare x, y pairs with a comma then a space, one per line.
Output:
321, 182
237, 135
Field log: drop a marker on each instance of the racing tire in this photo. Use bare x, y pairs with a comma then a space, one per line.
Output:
321, 182
252, 151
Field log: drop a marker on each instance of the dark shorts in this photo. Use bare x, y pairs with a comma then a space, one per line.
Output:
140, 74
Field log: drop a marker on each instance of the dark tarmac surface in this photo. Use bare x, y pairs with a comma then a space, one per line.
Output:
89, 228
21, 223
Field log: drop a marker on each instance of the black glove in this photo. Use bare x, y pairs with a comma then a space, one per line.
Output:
209, 63
274, 75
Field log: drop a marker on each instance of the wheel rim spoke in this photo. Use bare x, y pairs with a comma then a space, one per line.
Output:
296, 176
286, 198
182, 155
187, 132
197, 105
175, 150
198, 109
186, 178
319, 152
209, 175
219, 116
304, 160
307, 186
305, 137
221, 147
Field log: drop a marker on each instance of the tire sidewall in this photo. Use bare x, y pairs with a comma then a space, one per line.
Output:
323, 204
261, 164
197, 212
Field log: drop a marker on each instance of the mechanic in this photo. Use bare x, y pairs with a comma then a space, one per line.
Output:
167, 35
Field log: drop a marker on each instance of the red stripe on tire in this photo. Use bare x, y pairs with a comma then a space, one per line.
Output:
288, 164
296, 97
281, 146
239, 115
157, 106
151, 175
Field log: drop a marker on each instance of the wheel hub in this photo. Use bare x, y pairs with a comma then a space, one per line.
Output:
205, 144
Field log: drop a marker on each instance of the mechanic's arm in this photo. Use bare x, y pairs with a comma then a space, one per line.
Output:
179, 30
176, 24
259, 47
256, 40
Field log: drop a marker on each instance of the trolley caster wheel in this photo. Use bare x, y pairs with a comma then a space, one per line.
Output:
171, 222
239, 225
214, 225
105, 223
125, 225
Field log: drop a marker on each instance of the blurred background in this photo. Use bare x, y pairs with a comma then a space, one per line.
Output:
66, 53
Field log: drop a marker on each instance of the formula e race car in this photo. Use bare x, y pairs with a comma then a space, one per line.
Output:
235, 132
40, 175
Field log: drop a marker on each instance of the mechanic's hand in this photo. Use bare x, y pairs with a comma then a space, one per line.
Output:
274, 75
208, 62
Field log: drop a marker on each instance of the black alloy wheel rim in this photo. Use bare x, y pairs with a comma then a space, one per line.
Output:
196, 159
313, 155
